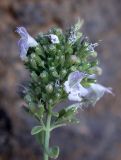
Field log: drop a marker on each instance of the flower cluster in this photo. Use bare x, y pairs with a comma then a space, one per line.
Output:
61, 65
55, 57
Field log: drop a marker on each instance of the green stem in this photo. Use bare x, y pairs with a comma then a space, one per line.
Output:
47, 136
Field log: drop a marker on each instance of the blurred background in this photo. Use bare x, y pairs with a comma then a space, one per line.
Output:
98, 136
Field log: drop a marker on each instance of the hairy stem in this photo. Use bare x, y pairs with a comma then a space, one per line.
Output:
47, 136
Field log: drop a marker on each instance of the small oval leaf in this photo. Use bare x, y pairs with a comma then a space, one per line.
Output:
36, 130
54, 152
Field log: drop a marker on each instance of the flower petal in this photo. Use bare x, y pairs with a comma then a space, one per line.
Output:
96, 91
25, 42
74, 96
75, 77
22, 48
100, 89
66, 87
77, 92
22, 31
73, 87
31, 42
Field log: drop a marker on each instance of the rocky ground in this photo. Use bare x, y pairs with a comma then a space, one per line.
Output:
98, 135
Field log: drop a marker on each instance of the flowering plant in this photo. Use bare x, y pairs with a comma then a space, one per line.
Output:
61, 65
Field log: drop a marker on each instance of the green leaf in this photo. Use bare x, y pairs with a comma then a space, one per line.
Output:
34, 76
54, 152
67, 114
71, 110
36, 129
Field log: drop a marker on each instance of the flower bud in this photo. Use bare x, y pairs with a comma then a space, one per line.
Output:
39, 51
68, 49
49, 88
62, 59
58, 95
44, 75
94, 63
50, 101
52, 48
94, 54
98, 70
80, 68
73, 59
33, 55
33, 63
55, 74
56, 31
38, 90
52, 68
73, 68
39, 61
26, 60
53, 64
85, 66
28, 98
63, 73
40, 105
57, 58
34, 76
59, 51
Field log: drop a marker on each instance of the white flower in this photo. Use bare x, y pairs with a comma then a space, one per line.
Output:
73, 86
76, 92
54, 39
25, 42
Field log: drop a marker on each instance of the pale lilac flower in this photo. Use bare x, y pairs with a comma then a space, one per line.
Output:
95, 92
76, 92
73, 87
54, 39
25, 42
